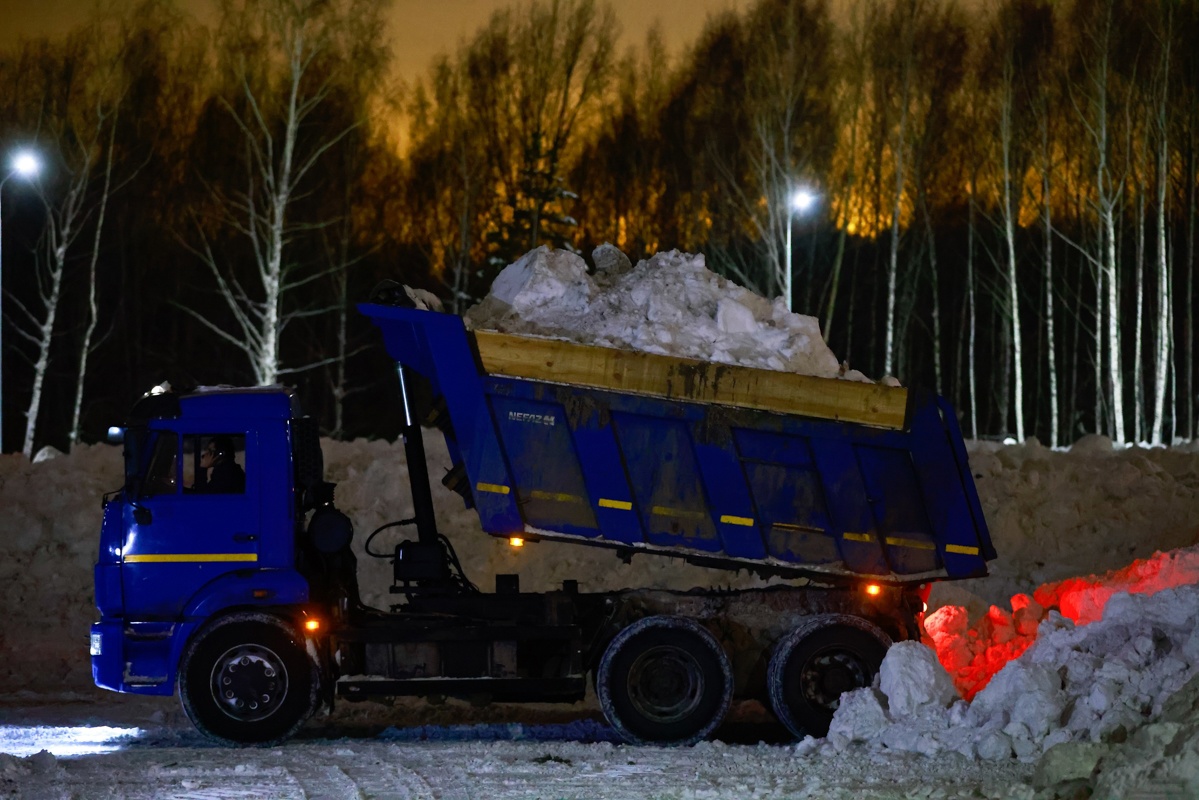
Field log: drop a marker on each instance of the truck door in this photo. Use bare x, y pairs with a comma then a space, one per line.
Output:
186, 529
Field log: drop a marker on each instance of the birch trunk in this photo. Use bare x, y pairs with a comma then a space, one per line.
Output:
60, 233
1138, 372
1051, 345
1165, 302
93, 316
1112, 294
893, 262
1009, 235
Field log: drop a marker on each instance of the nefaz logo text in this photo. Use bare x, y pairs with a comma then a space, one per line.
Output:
536, 419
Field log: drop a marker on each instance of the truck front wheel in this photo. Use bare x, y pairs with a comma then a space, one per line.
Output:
248, 681
664, 680
818, 661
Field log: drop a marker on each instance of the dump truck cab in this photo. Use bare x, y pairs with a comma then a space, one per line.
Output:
177, 551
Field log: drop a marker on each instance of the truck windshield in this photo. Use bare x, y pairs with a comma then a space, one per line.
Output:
150, 459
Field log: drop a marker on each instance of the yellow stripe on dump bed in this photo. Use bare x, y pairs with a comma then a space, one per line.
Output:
185, 558
494, 488
914, 544
558, 497
665, 511
858, 537
690, 379
731, 520
623, 505
961, 549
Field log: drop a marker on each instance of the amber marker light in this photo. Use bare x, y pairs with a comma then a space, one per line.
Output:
312, 625
516, 541
873, 589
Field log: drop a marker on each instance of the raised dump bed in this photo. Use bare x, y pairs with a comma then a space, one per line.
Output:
726, 466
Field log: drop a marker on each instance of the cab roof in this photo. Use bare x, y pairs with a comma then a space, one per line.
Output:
266, 402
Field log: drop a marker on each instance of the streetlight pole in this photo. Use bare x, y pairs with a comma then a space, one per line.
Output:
798, 202
26, 165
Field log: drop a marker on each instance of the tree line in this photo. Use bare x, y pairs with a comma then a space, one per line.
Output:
1006, 213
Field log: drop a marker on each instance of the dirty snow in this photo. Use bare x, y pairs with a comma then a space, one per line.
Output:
1070, 670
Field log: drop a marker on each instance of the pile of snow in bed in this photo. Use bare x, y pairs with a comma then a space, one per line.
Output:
669, 304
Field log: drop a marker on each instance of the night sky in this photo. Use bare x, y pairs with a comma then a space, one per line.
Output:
420, 29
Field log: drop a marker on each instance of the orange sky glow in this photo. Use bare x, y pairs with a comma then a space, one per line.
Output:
420, 29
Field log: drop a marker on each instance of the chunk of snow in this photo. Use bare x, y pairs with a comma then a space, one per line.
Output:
912, 680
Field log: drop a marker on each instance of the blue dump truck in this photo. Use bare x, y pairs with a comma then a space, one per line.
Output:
243, 592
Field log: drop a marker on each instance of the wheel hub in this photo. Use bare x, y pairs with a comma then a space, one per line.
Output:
827, 676
665, 683
249, 682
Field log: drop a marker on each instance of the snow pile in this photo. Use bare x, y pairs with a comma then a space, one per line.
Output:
669, 304
1160, 759
1091, 683
49, 537
974, 653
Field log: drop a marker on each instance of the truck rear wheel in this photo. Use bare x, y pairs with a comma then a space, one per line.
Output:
818, 661
248, 681
664, 680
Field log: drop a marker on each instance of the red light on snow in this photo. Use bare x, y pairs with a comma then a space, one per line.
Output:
873, 589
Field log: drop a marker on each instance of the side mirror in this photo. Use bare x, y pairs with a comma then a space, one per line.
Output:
142, 515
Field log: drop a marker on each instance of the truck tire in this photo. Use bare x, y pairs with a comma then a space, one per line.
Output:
817, 661
248, 680
664, 680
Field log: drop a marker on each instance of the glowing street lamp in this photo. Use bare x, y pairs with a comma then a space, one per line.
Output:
800, 202
24, 164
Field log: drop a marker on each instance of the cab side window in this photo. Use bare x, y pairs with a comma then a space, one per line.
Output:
213, 463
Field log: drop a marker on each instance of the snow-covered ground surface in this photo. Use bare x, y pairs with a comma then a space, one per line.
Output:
1091, 606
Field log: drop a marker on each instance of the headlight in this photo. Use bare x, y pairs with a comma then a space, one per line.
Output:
97, 647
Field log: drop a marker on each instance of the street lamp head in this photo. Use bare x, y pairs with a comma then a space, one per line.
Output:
26, 163
802, 200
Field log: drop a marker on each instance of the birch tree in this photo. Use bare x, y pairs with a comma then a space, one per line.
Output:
1011, 179
75, 105
281, 61
1095, 116
788, 77
1161, 128
903, 49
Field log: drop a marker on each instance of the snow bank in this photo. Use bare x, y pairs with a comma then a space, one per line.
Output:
669, 304
1055, 514
1091, 683
49, 535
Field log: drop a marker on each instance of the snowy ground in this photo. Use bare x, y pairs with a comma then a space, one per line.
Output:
1077, 658
143, 749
